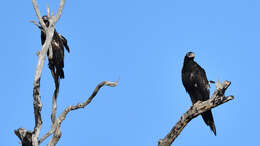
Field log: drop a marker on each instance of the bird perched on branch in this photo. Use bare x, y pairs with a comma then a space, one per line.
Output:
195, 81
56, 63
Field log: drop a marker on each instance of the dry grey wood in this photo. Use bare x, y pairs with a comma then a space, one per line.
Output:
55, 96
56, 127
29, 138
216, 99
41, 59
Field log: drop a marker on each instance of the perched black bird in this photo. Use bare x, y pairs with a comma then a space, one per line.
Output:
197, 85
58, 43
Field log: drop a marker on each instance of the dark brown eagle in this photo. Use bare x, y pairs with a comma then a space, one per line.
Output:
195, 81
58, 43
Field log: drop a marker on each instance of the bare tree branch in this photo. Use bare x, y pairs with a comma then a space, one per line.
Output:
41, 58
39, 16
54, 106
48, 10
36, 89
35, 23
57, 16
216, 99
56, 137
29, 138
82, 105
49, 133
56, 127
55, 96
63, 115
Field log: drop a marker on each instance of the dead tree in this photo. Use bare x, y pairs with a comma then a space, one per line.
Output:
31, 138
199, 107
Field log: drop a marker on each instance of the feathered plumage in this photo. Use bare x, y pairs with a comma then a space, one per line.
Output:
58, 43
197, 85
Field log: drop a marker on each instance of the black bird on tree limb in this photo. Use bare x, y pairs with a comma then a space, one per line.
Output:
56, 63
197, 85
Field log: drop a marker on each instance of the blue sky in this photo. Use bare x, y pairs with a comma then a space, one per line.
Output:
143, 42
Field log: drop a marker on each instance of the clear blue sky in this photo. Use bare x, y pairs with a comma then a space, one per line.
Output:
143, 42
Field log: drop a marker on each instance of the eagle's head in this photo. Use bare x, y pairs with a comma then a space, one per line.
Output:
46, 20
190, 56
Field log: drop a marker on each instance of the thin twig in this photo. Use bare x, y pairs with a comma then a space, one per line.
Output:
35, 23
48, 10
82, 105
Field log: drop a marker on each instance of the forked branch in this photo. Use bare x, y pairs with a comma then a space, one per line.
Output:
216, 99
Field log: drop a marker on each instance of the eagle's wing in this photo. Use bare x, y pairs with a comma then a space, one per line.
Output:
64, 41
200, 82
